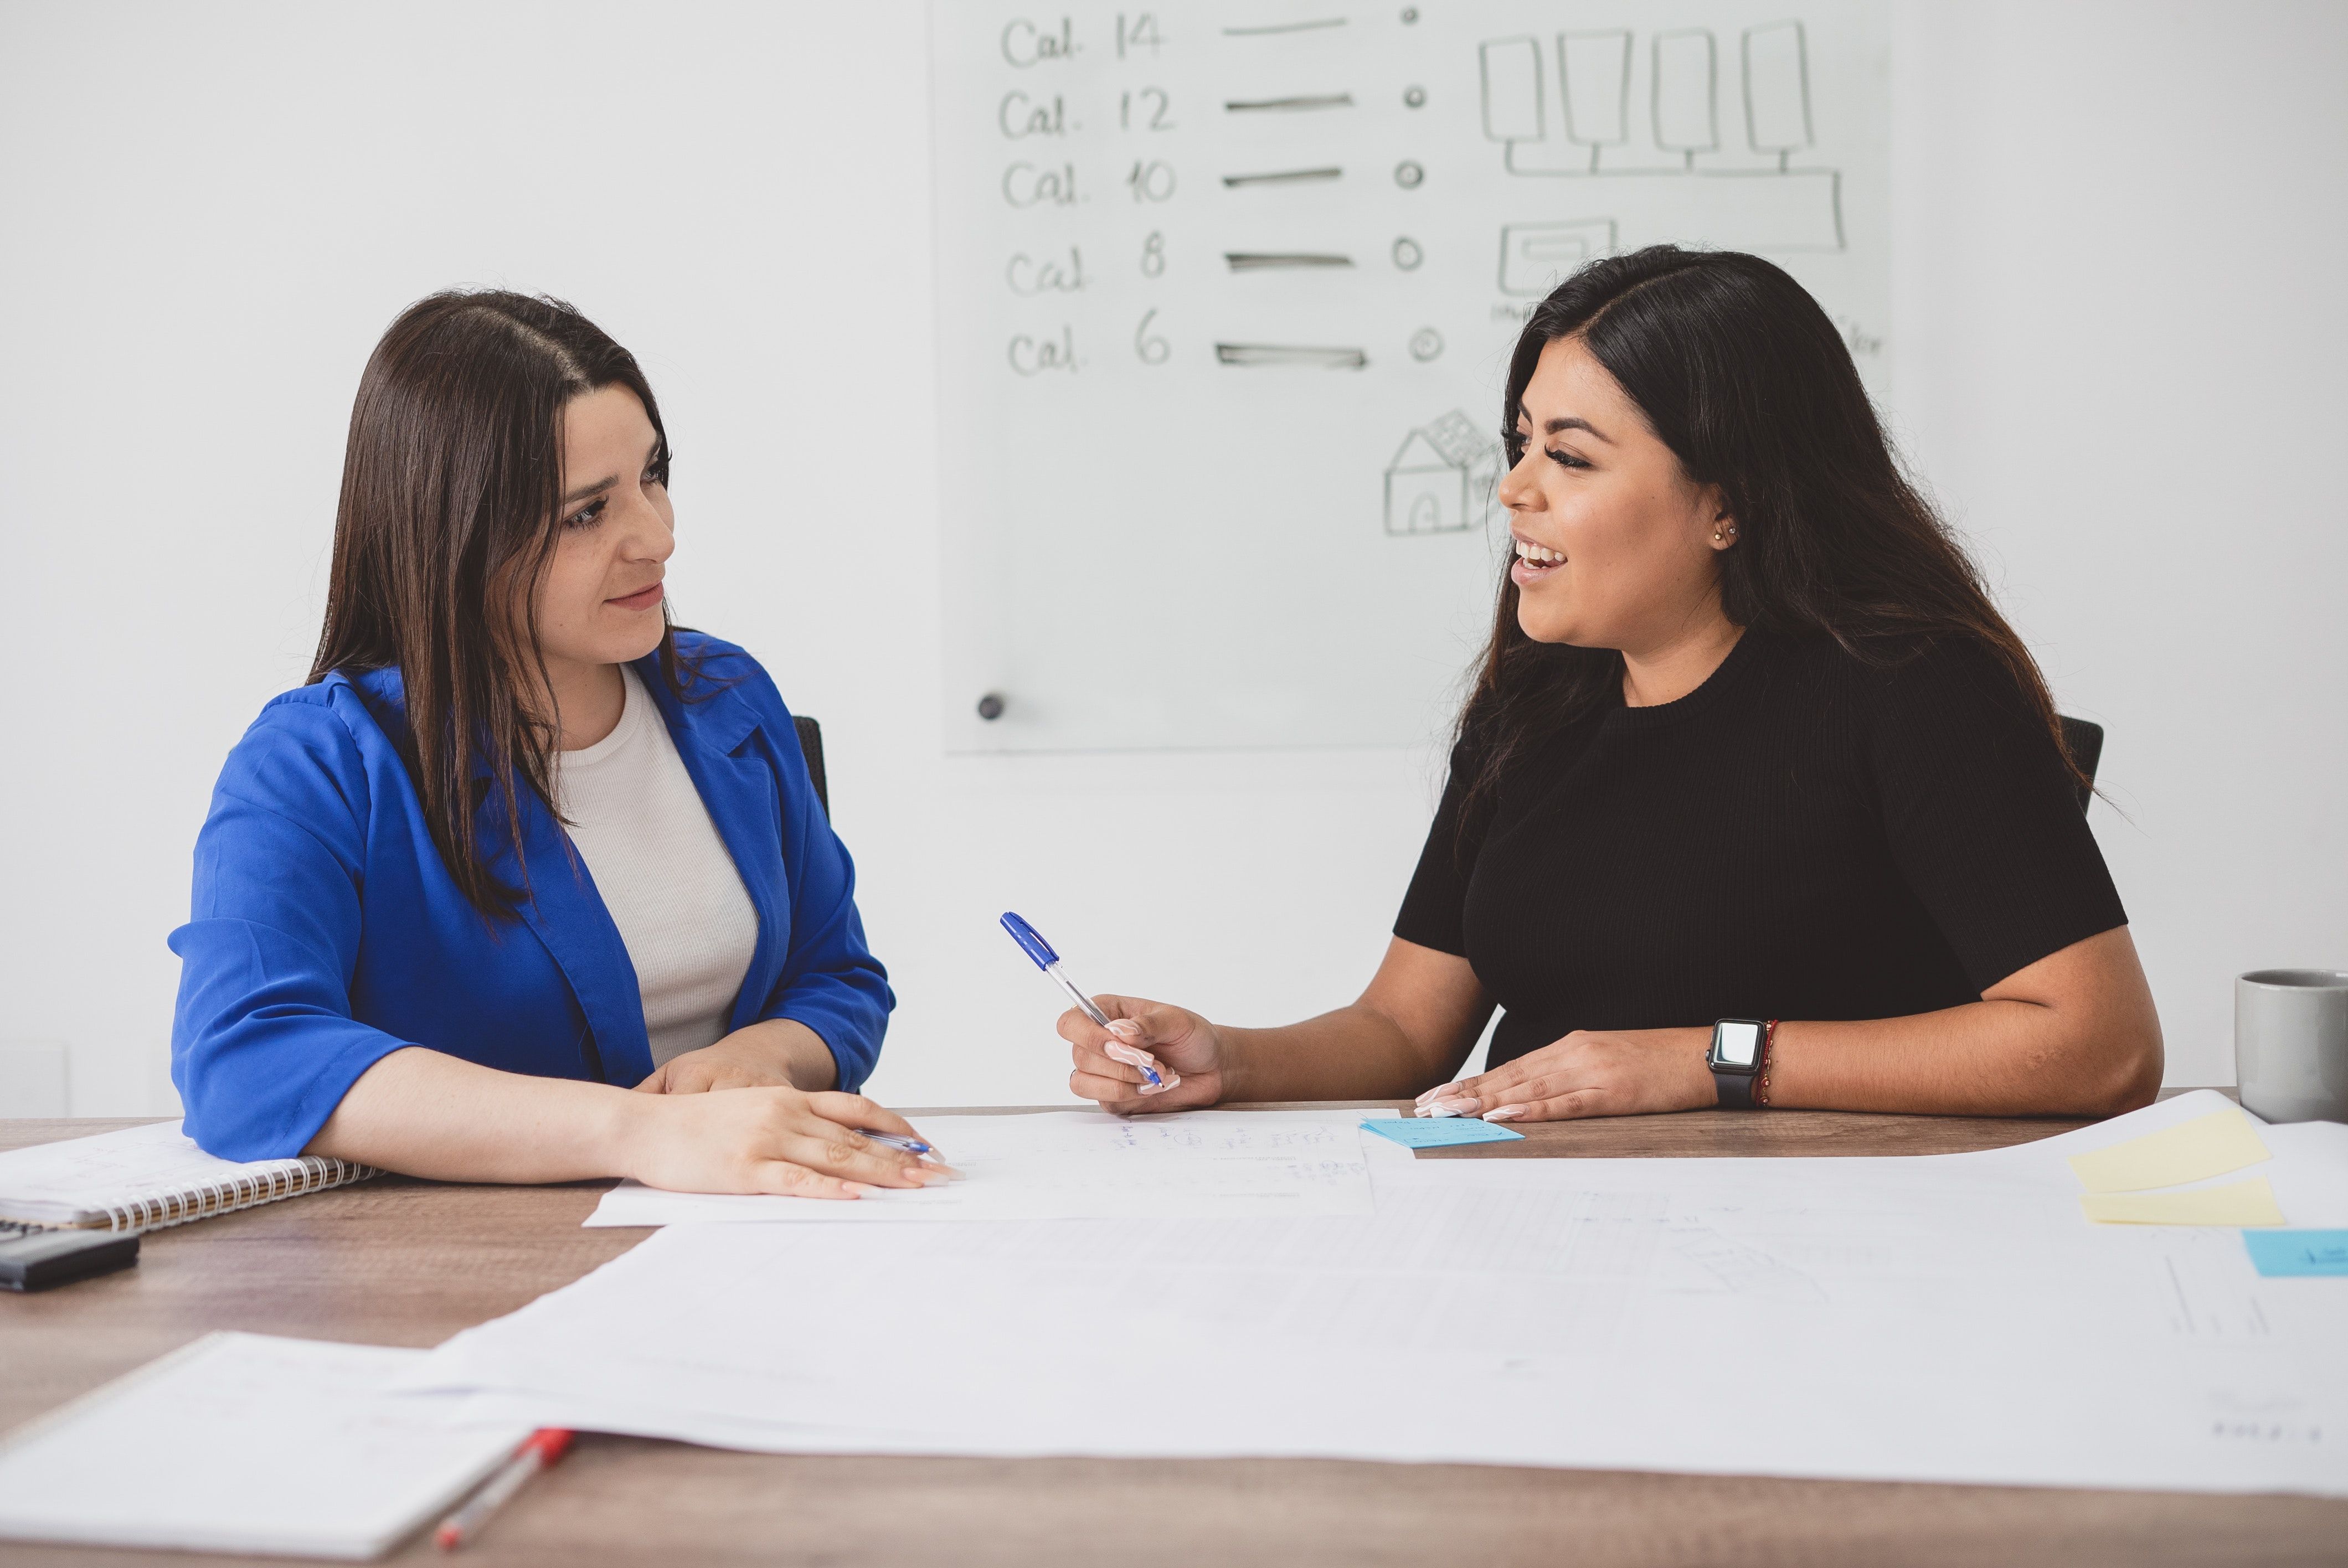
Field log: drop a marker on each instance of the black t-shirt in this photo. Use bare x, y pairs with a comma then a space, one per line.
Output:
1804, 835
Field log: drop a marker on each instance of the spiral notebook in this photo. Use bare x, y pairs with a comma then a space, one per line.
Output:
144, 1178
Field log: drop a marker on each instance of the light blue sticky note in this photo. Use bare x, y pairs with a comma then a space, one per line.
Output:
2286, 1254
1440, 1132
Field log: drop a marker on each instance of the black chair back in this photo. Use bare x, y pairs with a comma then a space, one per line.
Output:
2085, 741
811, 748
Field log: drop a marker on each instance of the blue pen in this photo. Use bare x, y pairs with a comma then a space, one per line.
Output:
1031, 942
910, 1146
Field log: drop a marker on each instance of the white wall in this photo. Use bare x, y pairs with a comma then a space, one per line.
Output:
2121, 337
2115, 334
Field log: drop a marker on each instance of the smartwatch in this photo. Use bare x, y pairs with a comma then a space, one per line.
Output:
1740, 1047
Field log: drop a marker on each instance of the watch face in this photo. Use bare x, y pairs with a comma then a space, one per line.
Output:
1736, 1043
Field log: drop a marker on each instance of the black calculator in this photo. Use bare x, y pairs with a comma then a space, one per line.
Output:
35, 1257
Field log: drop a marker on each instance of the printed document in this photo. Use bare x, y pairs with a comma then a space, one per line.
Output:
1080, 1164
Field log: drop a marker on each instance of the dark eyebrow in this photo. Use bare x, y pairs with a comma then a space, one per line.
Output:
1569, 421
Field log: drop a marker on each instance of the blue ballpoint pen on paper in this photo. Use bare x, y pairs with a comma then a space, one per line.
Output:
910, 1146
1031, 942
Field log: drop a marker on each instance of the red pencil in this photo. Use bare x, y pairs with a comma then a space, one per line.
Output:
544, 1446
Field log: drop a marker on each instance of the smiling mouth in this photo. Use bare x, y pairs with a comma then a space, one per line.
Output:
1536, 561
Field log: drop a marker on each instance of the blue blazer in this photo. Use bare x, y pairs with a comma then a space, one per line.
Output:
325, 931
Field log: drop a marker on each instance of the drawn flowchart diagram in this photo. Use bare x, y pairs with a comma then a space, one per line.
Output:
1639, 126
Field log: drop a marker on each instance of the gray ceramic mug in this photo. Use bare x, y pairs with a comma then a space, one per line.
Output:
2291, 1043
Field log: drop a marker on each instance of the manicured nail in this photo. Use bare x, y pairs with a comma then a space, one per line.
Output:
1452, 1108
1125, 1027
858, 1189
1438, 1091
1505, 1113
928, 1176
1142, 1060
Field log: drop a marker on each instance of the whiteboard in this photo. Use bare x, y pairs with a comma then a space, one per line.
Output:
1226, 296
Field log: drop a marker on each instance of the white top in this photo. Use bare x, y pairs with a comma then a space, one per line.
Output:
664, 873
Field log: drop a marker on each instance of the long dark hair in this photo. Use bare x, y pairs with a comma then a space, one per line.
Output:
452, 485
1742, 375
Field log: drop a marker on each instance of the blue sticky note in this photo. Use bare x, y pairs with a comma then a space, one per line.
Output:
1440, 1132
2289, 1254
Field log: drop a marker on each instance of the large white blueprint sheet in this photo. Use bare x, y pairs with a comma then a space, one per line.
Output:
1940, 1318
1079, 1164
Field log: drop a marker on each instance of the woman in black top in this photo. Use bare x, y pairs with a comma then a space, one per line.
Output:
1749, 741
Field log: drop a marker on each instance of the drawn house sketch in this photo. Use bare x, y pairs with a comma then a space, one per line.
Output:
1636, 134
1443, 477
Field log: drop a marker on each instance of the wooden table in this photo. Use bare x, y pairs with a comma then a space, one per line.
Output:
399, 1262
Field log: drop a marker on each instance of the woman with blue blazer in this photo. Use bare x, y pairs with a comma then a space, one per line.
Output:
526, 885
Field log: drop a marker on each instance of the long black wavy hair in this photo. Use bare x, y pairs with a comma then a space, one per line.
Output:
1742, 375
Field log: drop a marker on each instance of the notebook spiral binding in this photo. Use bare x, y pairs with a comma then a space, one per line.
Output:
317, 1173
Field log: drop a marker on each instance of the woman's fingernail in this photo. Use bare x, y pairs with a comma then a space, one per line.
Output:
930, 1175
1125, 1027
1427, 1095
858, 1189
1452, 1108
1141, 1061
1505, 1113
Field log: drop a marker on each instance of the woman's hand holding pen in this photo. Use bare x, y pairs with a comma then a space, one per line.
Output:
772, 1140
1113, 1064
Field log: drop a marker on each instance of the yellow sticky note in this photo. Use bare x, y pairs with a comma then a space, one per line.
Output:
2192, 1150
2250, 1203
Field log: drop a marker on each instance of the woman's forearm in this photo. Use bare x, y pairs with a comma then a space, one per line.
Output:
2073, 1034
424, 1113
1357, 1052
1415, 1024
1985, 1059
